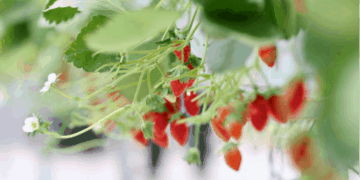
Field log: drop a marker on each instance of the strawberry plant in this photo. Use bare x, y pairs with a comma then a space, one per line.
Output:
145, 73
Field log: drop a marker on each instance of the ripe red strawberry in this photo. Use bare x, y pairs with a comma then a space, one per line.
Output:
301, 154
169, 107
190, 83
220, 130
140, 139
258, 113
190, 66
233, 158
186, 53
297, 96
235, 129
268, 55
161, 139
177, 87
161, 121
179, 132
192, 107
278, 108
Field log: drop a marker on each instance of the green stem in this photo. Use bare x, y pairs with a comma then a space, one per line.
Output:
251, 79
192, 33
205, 51
192, 20
63, 94
137, 111
56, 135
159, 4
199, 96
138, 86
149, 82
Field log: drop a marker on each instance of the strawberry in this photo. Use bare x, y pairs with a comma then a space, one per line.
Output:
190, 83
169, 107
298, 97
179, 132
161, 139
177, 87
278, 108
190, 66
235, 129
301, 154
161, 121
140, 139
258, 113
220, 130
192, 107
233, 158
268, 55
186, 53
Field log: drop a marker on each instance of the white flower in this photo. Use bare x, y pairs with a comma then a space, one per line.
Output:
51, 79
31, 124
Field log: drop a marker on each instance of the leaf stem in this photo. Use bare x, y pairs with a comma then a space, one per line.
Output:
149, 82
63, 94
56, 135
138, 86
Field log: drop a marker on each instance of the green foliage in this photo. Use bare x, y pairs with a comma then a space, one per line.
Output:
155, 102
82, 57
178, 71
130, 29
51, 2
253, 19
60, 14
176, 116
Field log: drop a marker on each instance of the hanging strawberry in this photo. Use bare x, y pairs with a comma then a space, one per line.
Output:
169, 107
139, 138
232, 155
161, 121
278, 108
301, 153
192, 107
161, 139
268, 55
178, 86
295, 95
186, 53
235, 129
220, 130
179, 132
258, 113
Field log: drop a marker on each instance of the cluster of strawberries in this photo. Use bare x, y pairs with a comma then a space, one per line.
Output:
161, 120
257, 111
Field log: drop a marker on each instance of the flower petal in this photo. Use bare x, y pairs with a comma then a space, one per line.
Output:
27, 129
29, 120
45, 89
52, 77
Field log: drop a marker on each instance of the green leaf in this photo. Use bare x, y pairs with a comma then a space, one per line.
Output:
229, 54
82, 57
60, 14
51, 2
128, 30
251, 21
147, 129
176, 116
